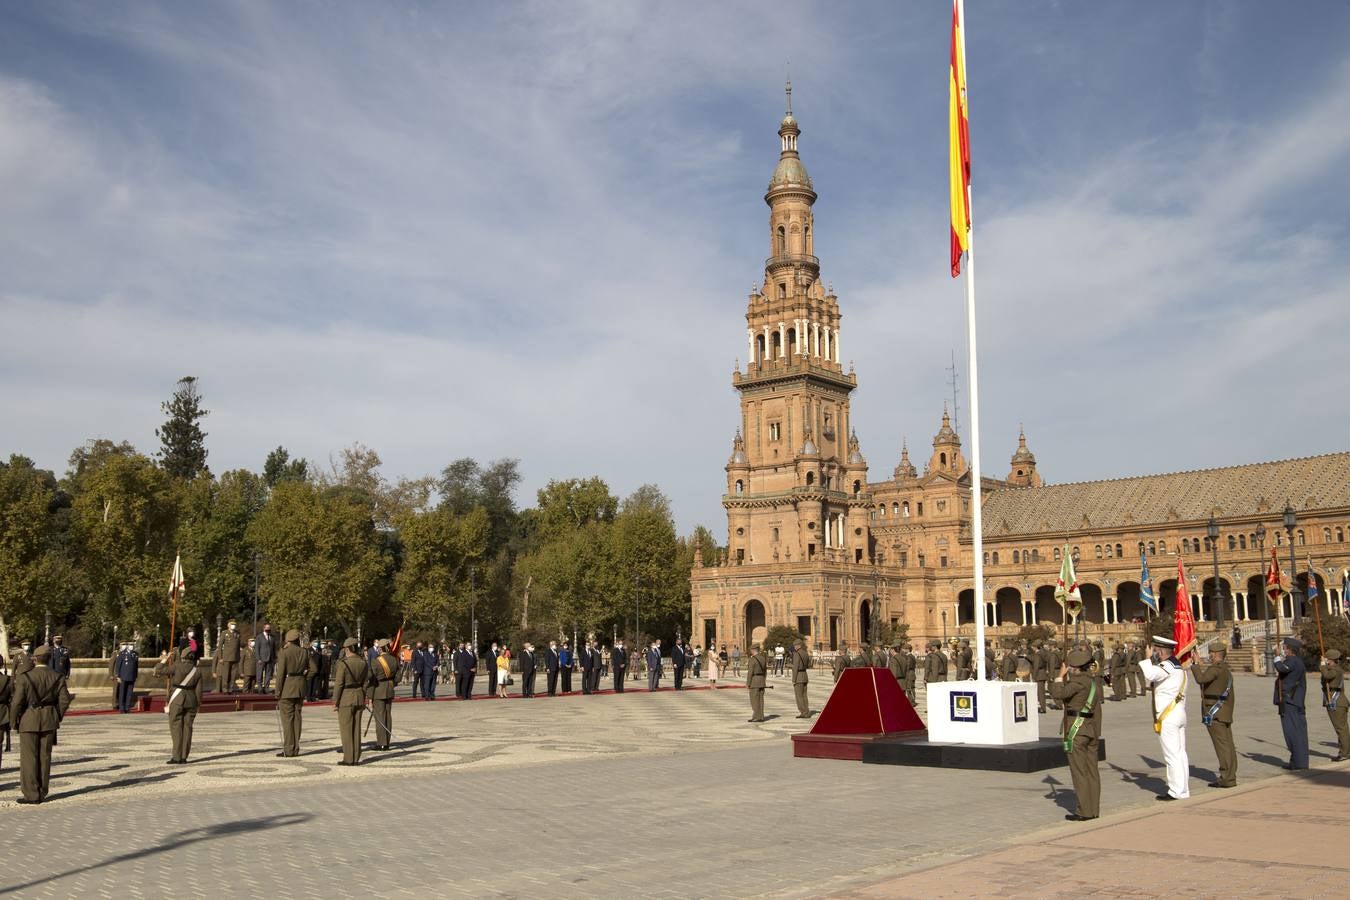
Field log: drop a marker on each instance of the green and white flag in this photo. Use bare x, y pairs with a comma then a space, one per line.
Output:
1066, 588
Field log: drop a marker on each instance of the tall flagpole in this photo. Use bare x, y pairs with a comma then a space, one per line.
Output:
976, 516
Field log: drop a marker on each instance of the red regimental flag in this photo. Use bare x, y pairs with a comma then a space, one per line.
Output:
1183, 625
1273, 587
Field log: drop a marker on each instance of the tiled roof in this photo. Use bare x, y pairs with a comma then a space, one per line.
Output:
1314, 482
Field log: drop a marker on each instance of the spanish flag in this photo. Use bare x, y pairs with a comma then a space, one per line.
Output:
960, 143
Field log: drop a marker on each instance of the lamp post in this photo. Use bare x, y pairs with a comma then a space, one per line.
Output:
473, 608
1265, 595
944, 628
1212, 529
637, 612
257, 561
1290, 520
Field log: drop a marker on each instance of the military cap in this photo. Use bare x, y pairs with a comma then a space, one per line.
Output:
1218, 647
754, 646
350, 642
1333, 654
293, 635
42, 653
1163, 641
1293, 644
232, 622
57, 637
1079, 658
382, 644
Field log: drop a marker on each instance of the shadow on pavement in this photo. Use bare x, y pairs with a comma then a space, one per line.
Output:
122, 782
174, 841
1063, 797
1144, 782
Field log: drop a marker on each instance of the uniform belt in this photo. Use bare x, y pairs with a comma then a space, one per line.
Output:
1078, 715
1213, 696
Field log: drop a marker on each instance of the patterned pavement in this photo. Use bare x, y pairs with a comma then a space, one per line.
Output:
656, 793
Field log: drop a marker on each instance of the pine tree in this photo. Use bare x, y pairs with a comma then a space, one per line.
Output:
182, 442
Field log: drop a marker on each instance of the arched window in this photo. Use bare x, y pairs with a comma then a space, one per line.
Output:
1232, 542
782, 241
775, 535
1208, 543
1118, 551
857, 487
806, 239
1151, 549
810, 478
1279, 537
1340, 535
1098, 551
740, 487
920, 508
1108, 551
1056, 554
1075, 554
986, 559
1300, 537
759, 345
1185, 545
883, 510
942, 459
1162, 547
1035, 555
1242, 542
906, 509
1016, 560
995, 557
1326, 535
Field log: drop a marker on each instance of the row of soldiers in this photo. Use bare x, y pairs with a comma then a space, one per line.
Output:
1039, 661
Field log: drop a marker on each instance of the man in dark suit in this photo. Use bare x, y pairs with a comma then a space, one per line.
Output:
552, 660
126, 666
618, 665
265, 651
468, 665
590, 667
677, 661
493, 652
654, 666
418, 667
527, 670
430, 668
1291, 694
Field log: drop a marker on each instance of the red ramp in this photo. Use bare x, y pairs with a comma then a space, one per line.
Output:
867, 704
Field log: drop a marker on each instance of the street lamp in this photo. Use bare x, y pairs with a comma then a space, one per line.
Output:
1213, 531
1265, 595
1290, 520
637, 611
473, 608
944, 628
257, 561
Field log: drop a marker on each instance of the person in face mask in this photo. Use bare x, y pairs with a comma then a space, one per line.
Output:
228, 650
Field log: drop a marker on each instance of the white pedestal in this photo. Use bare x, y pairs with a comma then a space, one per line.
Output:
982, 712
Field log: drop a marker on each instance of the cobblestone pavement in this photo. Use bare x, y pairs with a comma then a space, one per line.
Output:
659, 793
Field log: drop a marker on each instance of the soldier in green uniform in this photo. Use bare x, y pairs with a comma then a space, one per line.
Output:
1080, 694
228, 651
351, 675
1216, 710
1055, 657
1116, 668
1333, 697
911, 666
40, 703
864, 659
184, 699
23, 660
895, 662
1134, 677
841, 660
756, 671
964, 658
1007, 665
934, 664
293, 668
384, 677
800, 664
1040, 672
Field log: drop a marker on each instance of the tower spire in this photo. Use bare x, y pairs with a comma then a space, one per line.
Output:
788, 89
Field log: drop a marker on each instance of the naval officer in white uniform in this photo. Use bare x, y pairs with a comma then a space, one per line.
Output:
1168, 679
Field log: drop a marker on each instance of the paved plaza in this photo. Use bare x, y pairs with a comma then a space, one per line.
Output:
667, 794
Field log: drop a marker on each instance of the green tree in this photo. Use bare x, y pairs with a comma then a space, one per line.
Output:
280, 467
438, 545
182, 441
36, 572
123, 522
212, 537
323, 559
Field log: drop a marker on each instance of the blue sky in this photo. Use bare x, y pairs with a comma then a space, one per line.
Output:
529, 229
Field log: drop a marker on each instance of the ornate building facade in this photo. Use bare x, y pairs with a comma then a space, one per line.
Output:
812, 543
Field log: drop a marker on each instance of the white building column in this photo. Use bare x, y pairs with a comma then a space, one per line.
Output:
827, 343
836, 345
1024, 612
782, 340
828, 527
768, 347
750, 343
815, 339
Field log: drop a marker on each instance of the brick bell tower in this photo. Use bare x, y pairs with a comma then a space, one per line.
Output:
796, 478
